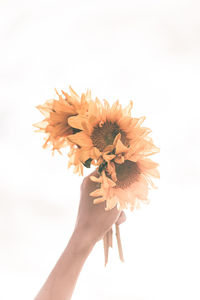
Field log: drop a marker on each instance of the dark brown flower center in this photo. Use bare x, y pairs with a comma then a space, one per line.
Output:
104, 135
127, 173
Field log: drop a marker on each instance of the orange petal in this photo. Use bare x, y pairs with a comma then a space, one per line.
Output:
44, 109
96, 153
76, 121
88, 95
96, 179
108, 157
86, 127
93, 120
119, 160
84, 155
108, 148
80, 139
111, 203
147, 164
112, 171
98, 192
118, 137
107, 182
41, 125
128, 108
120, 148
98, 200
75, 95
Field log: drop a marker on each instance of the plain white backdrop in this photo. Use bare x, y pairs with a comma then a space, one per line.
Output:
147, 51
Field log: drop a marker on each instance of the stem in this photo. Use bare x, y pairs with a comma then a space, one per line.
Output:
107, 242
119, 244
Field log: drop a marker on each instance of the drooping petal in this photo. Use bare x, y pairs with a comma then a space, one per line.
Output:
80, 139
98, 200
96, 179
111, 170
111, 203
96, 153
108, 157
119, 159
118, 137
96, 193
120, 148
84, 154
76, 121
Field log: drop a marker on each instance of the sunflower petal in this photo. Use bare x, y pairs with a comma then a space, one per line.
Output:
111, 203
108, 157
108, 149
98, 200
119, 159
96, 153
120, 148
96, 179
80, 139
98, 192
74, 94
84, 155
76, 121
118, 137
128, 108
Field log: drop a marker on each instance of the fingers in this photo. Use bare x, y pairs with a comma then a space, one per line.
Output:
121, 219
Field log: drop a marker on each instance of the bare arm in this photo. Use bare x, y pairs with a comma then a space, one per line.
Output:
91, 225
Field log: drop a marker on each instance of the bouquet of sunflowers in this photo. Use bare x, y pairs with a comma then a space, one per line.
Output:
108, 138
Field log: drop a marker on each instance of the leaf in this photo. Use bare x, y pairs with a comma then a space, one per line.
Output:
102, 167
87, 163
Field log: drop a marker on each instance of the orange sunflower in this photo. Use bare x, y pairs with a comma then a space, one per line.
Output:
114, 141
131, 186
56, 126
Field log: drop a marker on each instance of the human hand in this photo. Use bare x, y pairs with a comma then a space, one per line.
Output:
93, 220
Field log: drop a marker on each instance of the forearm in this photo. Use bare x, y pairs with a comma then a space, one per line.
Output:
61, 282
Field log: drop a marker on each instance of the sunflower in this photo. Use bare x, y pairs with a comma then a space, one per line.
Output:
56, 126
108, 133
131, 186
57, 113
115, 142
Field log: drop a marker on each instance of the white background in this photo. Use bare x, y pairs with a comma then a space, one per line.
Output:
147, 51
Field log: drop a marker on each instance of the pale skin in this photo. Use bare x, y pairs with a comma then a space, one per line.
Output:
92, 223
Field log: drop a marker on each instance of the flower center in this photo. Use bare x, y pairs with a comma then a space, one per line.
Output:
127, 173
104, 135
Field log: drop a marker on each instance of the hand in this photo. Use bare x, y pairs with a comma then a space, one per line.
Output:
93, 219
92, 223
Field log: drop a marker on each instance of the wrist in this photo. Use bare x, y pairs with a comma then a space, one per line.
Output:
83, 240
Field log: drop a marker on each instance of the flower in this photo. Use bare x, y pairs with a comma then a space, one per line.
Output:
107, 137
115, 142
131, 186
108, 133
57, 113
56, 126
